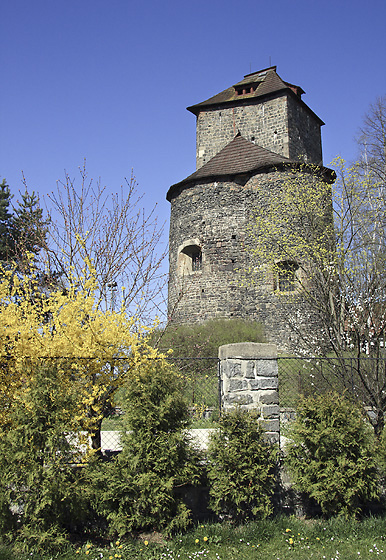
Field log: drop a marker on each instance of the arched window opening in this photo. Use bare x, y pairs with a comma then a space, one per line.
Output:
190, 259
286, 276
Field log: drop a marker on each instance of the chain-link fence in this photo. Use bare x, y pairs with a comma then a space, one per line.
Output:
201, 389
361, 378
70, 376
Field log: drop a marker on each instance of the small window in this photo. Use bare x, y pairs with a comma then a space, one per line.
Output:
190, 259
286, 276
196, 257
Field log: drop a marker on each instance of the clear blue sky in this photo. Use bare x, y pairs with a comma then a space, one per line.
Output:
109, 80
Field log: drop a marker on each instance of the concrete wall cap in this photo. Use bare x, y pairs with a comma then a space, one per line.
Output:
248, 351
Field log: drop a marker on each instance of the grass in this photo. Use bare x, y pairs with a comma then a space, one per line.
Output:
282, 538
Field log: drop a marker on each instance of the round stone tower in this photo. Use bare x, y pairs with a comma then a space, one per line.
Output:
250, 139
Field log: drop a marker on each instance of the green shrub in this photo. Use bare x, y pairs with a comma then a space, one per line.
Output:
382, 453
330, 454
40, 495
136, 492
241, 468
203, 340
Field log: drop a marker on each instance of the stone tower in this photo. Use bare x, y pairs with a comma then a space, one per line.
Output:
250, 137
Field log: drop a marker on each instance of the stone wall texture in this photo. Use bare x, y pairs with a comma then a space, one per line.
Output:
249, 378
213, 216
281, 124
216, 216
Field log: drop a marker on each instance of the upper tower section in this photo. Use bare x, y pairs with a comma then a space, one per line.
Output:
266, 111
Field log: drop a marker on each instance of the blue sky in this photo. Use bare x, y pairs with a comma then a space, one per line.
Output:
109, 80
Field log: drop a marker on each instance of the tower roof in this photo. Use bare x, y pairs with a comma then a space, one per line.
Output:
239, 157
253, 87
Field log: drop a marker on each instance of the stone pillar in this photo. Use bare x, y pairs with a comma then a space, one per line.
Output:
249, 378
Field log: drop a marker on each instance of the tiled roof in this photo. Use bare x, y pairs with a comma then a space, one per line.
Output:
238, 157
241, 157
264, 82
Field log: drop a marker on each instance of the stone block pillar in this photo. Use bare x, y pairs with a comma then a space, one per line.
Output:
249, 378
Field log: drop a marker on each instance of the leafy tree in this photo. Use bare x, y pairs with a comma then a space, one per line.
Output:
331, 454
331, 233
95, 350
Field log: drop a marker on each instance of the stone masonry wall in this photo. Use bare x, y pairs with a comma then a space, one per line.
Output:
216, 216
266, 124
282, 125
249, 377
304, 133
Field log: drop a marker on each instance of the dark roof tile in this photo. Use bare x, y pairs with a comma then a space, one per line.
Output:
238, 157
264, 82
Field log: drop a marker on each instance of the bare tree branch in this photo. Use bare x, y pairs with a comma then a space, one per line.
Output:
113, 232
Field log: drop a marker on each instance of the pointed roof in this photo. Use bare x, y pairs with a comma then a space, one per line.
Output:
238, 157
253, 87
241, 157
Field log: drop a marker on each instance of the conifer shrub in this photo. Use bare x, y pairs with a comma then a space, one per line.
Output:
241, 468
40, 495
382, 453
331, 454
136, 491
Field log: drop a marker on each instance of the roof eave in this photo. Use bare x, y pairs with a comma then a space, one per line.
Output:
328, 174
196, 109
220, 177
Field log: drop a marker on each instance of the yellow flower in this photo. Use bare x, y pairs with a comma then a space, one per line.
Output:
87, 552
117, 543
288, 530
88, 545
197, 541
205, 539
145, 543
291, 541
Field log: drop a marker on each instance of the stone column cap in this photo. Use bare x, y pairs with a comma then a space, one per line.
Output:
248, 351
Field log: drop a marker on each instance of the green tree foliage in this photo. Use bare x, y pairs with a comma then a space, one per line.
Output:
6, 238
331, 454
29, 227
332, 235
241, 468
23, 228
136, 492
40, 495
382, 453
